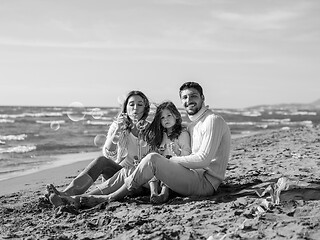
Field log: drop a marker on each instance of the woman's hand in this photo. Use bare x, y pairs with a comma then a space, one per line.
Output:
122, 120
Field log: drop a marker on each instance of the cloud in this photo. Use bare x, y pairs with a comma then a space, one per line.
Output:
272, 20
187, 29
62, 25
181, 2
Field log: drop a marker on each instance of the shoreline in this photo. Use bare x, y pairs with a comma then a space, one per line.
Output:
55, 161
57, 172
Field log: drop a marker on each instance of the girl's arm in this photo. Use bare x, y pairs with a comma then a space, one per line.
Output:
184, 142
182, 146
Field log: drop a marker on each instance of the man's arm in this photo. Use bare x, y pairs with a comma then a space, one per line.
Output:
212, 131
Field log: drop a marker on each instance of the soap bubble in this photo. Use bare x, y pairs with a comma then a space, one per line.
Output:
115, 139
100, 140
96, 113
141, 125
55, 125
134, 121
76, 112
143, 143
152, 111
121, 118
121, 99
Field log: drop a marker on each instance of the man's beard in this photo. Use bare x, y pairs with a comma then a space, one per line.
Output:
193, 110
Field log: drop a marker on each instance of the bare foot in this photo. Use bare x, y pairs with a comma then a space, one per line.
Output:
58, 200
52, 190
55, 200
159, 199
163, 196
92, 201
154, 198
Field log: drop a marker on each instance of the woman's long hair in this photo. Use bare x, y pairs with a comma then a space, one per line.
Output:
153, 135
146, 107
123, 138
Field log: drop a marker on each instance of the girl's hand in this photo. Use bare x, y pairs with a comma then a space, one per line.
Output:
175, 149
160, 150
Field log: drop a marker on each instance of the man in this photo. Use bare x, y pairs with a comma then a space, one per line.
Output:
198, 174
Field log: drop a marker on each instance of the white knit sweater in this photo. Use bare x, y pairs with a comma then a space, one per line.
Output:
210, 142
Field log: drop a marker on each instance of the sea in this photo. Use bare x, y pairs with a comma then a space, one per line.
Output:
31, 136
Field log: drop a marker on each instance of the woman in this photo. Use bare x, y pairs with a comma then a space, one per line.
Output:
122, 151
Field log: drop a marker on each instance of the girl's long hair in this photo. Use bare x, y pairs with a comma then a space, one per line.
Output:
153, 134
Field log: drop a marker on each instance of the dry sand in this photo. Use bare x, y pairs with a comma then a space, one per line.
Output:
240, 209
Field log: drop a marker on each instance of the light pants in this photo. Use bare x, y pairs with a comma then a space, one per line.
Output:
115, 182
187, 182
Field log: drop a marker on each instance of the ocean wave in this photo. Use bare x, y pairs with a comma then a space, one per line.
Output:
294, 113
246, 113
302, 113
19, 137
42, 114
107, 118
6, 121
251, 114
48, 122
96, 113
89, 122
304, 123
265, 123
226, 111
242, 123
18, 149
285, 120
104, 118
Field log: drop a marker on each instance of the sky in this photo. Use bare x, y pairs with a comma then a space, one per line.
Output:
243, 52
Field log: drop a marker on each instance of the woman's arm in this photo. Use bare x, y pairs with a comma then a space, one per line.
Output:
109, 149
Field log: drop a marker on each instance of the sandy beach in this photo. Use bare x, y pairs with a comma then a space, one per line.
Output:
66, 165
271, 192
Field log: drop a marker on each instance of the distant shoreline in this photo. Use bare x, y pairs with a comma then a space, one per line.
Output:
61, 160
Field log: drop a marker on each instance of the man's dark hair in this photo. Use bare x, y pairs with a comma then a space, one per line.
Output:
194, 85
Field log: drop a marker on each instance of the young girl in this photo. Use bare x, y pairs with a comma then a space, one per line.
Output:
167, 136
